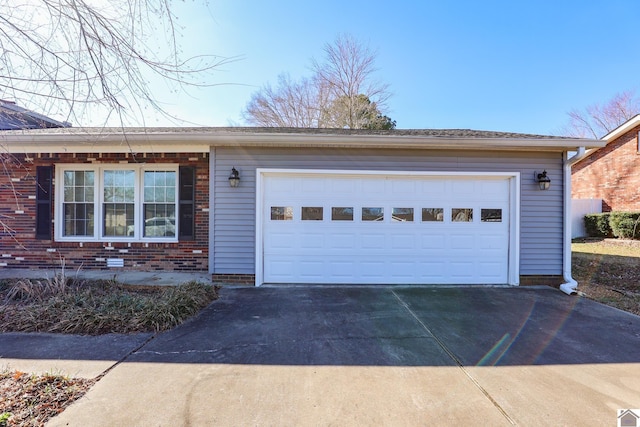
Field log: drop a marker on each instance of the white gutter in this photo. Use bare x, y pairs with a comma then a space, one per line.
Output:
570, 285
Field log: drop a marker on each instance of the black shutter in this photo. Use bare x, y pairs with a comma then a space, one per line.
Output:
44, 187
187, 203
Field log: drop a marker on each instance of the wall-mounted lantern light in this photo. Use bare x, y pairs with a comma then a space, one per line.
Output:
234, 178
543, 180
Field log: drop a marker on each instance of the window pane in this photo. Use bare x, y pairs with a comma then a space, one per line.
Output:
78, 219
491, 215
312, 214
160, 220
68, 194
281, 213
170, 194
118, 219
402, 214
461, 215
69, 178
159, 186
372, 214
88, 178
77, 204
432, 214
119, 186
79, 194
342, 214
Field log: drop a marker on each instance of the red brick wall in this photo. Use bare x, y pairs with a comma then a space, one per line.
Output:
612, 174
20, 249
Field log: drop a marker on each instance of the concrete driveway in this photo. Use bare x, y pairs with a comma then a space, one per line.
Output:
375, 356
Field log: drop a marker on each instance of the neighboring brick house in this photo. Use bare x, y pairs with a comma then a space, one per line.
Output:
612, 173
304, 206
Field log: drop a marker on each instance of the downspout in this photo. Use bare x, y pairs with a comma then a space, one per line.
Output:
569, 286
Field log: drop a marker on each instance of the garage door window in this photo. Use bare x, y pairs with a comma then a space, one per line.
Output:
402, 214
342, 214
281, 213
312, 214
491, 215
372, 214
461, 215
432, 214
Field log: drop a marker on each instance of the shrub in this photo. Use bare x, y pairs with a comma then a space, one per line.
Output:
102, 307
597, 225
625, 225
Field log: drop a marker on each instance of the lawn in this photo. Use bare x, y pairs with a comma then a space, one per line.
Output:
608, 271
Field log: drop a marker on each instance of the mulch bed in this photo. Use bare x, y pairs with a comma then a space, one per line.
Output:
31, 400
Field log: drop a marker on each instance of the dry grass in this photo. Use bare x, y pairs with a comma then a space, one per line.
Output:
608, 271
97, 307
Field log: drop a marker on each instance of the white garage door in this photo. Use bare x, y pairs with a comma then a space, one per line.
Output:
374, 228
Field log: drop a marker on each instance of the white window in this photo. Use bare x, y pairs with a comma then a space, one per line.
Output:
116, 202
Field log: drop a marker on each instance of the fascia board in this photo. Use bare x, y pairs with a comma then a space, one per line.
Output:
200, 142
622, 129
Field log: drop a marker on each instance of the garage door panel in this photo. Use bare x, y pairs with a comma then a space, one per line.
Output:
489, 270
312, 241
373, 270
462, 270
372, 241
462, 242
311, 270
339, 241
403, 241
433, 241
398, 248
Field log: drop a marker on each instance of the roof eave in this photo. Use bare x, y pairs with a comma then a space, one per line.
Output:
201, 142
622, 129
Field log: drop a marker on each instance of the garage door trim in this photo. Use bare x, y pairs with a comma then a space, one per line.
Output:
514, 205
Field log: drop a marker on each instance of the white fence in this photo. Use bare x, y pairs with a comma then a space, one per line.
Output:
580, 208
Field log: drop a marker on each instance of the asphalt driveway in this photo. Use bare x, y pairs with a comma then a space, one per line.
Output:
386, 326
374, 356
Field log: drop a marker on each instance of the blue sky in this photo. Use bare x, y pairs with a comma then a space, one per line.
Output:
496, 65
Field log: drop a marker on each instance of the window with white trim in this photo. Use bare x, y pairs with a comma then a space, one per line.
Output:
117, 202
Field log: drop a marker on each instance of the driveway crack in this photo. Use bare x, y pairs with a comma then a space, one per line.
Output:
453, 357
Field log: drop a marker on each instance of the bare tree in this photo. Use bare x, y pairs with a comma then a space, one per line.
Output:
340, 93
65, 55
597, 120
347, 70
289, 104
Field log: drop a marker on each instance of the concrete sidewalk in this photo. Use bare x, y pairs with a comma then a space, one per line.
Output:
372, 356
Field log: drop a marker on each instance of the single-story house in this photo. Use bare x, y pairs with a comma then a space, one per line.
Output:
278, 205
612, 172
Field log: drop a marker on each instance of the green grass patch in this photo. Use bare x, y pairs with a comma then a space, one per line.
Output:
617, 247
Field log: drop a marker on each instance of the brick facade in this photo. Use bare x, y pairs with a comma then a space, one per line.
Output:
20, 249
611, 173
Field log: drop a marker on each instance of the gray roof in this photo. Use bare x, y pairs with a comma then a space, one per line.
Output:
432, 133
13, 117
201, 139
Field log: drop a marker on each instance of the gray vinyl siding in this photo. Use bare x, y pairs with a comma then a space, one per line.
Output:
541, 212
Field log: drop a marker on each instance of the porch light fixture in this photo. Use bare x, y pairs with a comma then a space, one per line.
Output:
543, 180
234, 178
